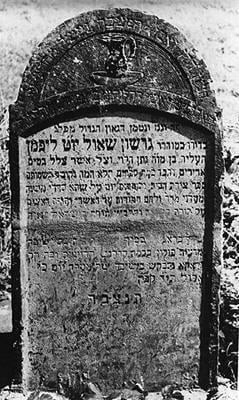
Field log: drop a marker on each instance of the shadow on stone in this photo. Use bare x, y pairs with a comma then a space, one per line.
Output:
6, 359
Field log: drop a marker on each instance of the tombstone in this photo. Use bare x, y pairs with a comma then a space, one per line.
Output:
115, 166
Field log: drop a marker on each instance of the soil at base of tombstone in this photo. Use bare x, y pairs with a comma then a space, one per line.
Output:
188, 395
224, 393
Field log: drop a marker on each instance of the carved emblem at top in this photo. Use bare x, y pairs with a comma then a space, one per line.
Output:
118, 64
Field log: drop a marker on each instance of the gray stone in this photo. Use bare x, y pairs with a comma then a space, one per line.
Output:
115, 169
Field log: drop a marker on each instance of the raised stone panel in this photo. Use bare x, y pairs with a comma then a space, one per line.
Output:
112, 223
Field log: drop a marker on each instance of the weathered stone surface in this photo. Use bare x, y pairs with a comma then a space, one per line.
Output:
116, 213
59, 67
114, 245
5, 228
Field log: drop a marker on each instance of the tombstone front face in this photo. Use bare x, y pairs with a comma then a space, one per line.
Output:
115, 223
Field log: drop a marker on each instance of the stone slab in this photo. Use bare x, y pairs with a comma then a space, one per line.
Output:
116, 213
112, 230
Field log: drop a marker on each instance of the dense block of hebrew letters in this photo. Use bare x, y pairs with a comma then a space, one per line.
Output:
113, 228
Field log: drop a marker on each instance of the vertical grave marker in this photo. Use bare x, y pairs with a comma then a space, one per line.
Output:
115, 167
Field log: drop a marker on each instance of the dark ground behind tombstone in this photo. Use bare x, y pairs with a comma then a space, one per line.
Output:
7, 359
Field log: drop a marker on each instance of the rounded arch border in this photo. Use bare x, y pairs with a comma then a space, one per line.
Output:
29, 109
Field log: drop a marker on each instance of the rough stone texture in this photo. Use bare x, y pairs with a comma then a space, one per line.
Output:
55, 71
5, 229
112, 84
114, 249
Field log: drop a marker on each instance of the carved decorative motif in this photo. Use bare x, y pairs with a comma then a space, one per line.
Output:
46, 85
118, 63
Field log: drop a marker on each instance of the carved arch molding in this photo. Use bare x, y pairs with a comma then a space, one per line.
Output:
117, 56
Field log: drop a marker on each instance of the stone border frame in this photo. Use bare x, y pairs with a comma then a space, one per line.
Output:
30, 114
202, 110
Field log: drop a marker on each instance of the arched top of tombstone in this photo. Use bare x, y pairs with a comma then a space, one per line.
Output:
115, 57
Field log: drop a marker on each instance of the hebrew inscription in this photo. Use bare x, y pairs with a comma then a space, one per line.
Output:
112, 218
